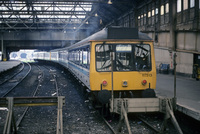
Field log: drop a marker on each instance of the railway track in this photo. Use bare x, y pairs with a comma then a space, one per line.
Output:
9, 84
154, 127
40, 77
8, 76
52, 71
38, 89
112, 124
138, 124
23, 112
52, 83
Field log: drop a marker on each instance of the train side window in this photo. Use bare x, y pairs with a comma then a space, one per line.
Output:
65, 55
81, 57
71, 55
59, 54
88, 57
76, 60
84, 62
85, 57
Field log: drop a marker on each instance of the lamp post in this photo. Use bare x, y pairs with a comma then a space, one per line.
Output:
175, 81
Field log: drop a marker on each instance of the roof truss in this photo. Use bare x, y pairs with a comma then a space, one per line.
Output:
59, 14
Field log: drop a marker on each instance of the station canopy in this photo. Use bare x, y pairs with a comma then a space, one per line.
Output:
15, 11
60, 14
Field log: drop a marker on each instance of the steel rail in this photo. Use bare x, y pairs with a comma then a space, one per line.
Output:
8, 91
56, 85
51, 71
10, 120
148, 125
33, 94
110, 127
59, 120
36, 101
13, 75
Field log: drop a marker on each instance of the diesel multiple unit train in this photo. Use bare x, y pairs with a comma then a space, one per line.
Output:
117, 61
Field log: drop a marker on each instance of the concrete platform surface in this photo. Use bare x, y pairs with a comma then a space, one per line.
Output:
187, 90
5, 65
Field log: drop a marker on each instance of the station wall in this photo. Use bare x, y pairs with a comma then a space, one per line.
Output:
184, 60
186, 42
184, 63
174, 26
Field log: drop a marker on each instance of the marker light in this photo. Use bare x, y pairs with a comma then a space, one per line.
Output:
144, 82
104, 83
124, 83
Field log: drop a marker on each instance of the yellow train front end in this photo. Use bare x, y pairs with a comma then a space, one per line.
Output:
125, 66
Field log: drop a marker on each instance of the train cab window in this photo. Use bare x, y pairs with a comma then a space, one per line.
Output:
143, 57
126, 57
103, 60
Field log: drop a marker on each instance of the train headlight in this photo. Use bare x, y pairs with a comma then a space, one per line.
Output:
124, 83
104, 83
144, 82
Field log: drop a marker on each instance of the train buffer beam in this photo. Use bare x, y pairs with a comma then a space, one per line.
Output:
123, 106
10, 102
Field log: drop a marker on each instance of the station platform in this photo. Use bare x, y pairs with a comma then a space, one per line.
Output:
6, 65
187, 93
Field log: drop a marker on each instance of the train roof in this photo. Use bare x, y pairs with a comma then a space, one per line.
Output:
113, 33
116, 33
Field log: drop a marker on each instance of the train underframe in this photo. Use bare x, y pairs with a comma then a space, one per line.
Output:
104, 96
101, 99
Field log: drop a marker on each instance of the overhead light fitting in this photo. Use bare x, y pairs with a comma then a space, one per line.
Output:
109, 2
96, 15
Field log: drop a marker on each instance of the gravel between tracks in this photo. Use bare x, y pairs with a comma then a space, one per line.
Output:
78, 116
